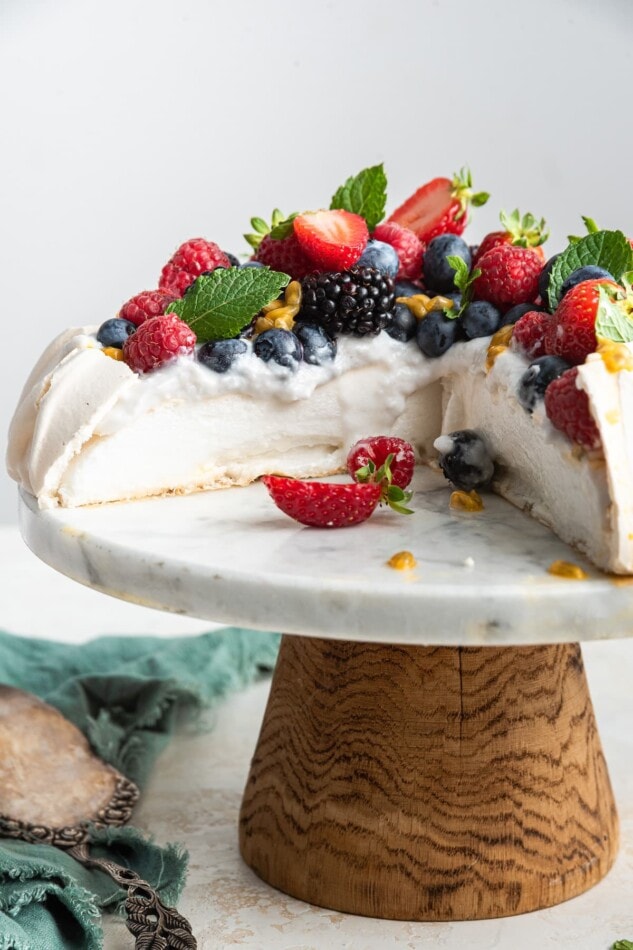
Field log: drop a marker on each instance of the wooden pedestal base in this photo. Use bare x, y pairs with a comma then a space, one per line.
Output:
421, 783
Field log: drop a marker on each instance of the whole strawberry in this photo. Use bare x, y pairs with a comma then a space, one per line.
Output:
568, 409
323, 504
158, 341
521, 231
509, 275
408, 246
285, 255
571, 333
366, 459
149, 303
194, 257
440, 207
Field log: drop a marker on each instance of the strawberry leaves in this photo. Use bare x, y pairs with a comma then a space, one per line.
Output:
392, 495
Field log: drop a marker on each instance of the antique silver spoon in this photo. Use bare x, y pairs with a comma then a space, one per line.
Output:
52, 788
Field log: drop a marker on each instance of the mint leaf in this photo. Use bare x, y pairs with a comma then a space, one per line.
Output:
218, 305
464, 280
608, 249
460, 267
612, 322
623, 945
365, 194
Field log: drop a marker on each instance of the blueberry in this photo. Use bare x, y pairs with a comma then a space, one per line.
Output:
318, 347
589, 272
480, 318
406, 288
219, 355
233, 260
280, 346
252, 264
380, 255
516, 312
543, 281
403, 324
537, 377
115, 332
436, 333
438, 273
465, 460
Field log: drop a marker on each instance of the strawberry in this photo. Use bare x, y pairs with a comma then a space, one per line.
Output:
567, 408
366, 458
523, 231
439, 207
408, 246
509, 275
323, 504
284, 254
571, 333
529, 333
333, 240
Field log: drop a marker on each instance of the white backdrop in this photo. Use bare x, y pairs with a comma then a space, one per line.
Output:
132, 125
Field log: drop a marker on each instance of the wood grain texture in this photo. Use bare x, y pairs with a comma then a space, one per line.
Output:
423, 783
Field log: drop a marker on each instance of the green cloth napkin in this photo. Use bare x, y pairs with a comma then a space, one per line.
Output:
127, 695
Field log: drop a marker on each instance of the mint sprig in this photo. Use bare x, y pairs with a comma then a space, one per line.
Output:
364, 194
608, 249
218, 305
623, 945
613, 319
464, 280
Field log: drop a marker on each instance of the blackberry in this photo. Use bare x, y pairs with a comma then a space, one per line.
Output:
357, 301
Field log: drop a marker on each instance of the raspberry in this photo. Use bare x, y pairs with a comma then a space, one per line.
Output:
567, 408
509, 275
157, 341
285, 254
529, 333
149, 303
192, 258
408, 246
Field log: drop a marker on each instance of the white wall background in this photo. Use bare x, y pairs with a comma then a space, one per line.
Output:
129, 126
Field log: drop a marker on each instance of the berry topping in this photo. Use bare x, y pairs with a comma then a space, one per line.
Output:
115, 332
403, 324
157, 341
149, 303
193, 258
380, 255
280, 346
323, 504
537, 377
571, 333
366, 458
567, 408
480, 318
543, 281
284, 254
523, 231
529, 333
406, 288
465, 460
252, 264
408, 246
438, 271
333, 240
439, 207
233, 260
436, 333
359, 301
589, 272
318, 347
219, 355
509, 275
519, 310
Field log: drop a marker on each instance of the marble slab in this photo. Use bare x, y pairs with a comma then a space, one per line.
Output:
232, 556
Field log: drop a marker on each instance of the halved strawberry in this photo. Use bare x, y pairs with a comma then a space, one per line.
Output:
333, 240
440, 206
324, 504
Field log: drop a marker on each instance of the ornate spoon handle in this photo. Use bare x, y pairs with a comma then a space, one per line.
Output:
150, 922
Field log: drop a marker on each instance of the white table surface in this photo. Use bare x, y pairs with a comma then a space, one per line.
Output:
195, 793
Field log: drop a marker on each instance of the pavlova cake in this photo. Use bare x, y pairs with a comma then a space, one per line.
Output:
509, 370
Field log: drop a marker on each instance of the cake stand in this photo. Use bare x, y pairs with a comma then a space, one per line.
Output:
429, 750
